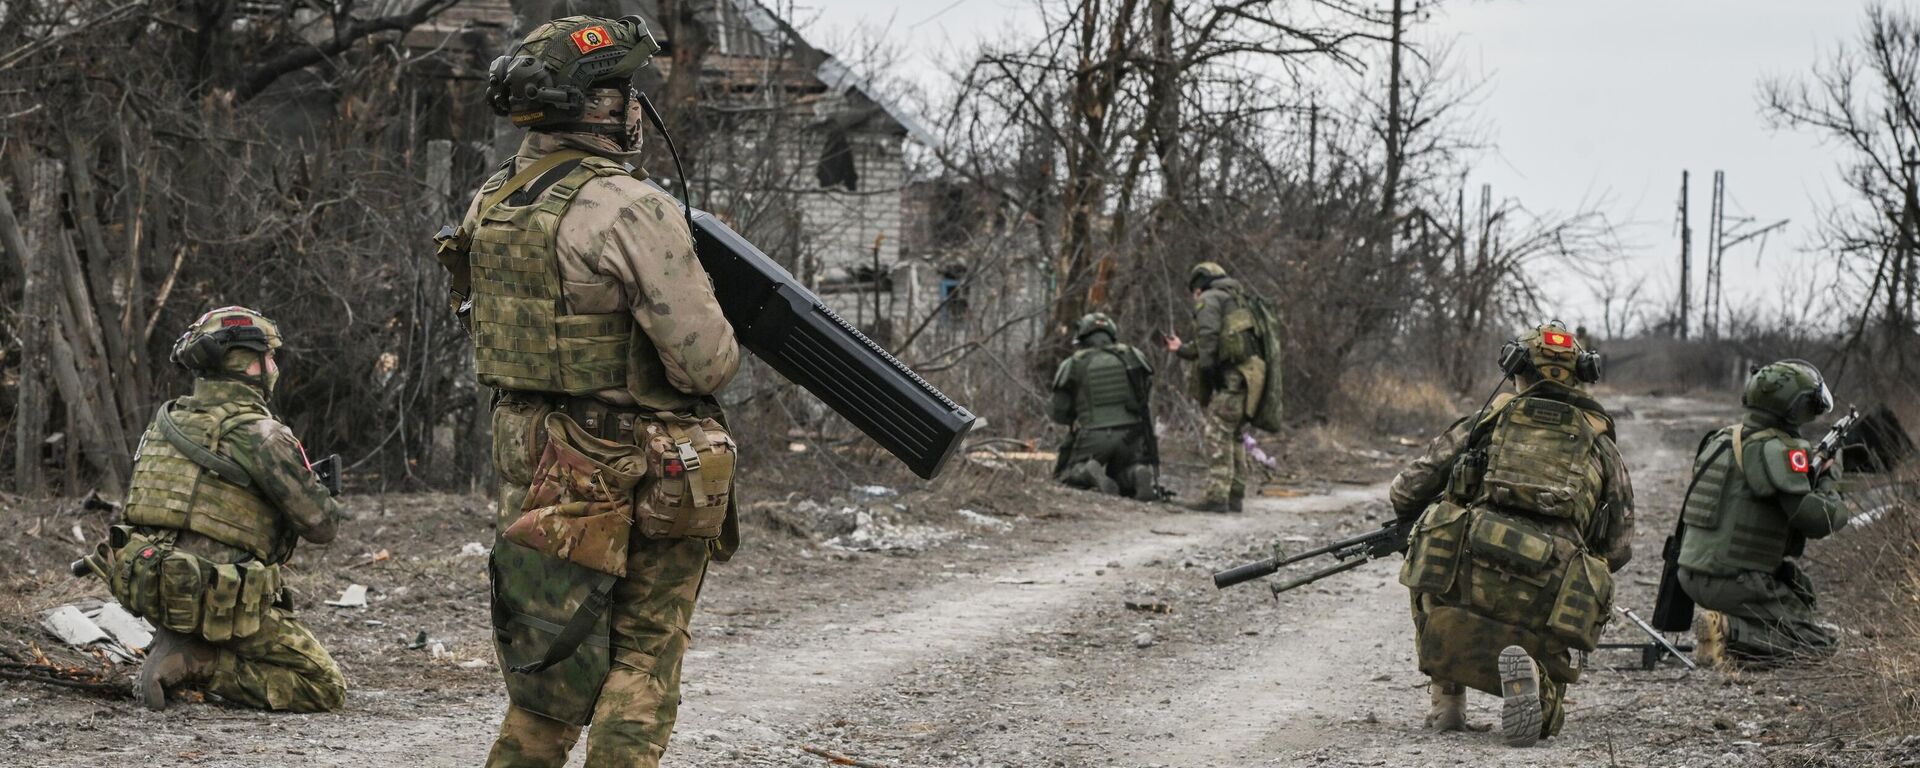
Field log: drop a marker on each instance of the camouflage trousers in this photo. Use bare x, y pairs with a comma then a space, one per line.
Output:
1471, 651
1227, 459
280, 667
1770, 616
647, 618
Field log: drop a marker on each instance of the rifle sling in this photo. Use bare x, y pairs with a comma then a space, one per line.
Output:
227, 469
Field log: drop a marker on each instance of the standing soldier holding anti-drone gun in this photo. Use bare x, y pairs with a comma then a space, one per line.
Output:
599, 330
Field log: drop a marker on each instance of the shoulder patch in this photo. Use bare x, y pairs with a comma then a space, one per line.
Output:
1797, 460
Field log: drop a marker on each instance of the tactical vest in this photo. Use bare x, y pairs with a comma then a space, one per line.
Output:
171, 490
524, 338
1729, 530
1508, 542
1104, 395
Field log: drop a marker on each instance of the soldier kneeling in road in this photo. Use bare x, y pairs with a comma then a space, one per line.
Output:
1103, 391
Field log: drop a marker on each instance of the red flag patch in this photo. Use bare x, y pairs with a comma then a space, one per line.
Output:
1797, 461
1558, 339
592, 39
229, 322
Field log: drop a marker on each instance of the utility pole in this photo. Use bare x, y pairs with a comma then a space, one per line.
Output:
1716, 229
1686, 257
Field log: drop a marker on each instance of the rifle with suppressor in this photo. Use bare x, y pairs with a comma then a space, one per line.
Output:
1351, 553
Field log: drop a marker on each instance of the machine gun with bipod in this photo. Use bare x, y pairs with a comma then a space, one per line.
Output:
1351, 553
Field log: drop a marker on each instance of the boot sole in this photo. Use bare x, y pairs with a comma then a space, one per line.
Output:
148, 689
1520, 716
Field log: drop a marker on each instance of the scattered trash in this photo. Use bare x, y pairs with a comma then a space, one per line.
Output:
984, 521
354, 596
475, 549
835, 758
1281, 492
1143, 640
419, 641
474, 664
876, 531
1159, 532
1254, 450
102, 625
439, 650
1013, 581
78, 537
377, 557
876, 491
1149, 607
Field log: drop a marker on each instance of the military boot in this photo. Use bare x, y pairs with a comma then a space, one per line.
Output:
1237, 502
1449, 710
1140, 478
1520, 716
1210, 505
174, 660
1710, 639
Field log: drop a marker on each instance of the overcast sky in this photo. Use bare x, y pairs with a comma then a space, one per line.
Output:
1589, 104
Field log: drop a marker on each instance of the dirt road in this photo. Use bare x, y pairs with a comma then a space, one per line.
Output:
1087, 636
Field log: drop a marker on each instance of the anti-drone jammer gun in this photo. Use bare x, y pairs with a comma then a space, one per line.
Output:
784, 324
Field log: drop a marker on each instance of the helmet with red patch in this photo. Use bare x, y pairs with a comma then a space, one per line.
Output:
1552, 352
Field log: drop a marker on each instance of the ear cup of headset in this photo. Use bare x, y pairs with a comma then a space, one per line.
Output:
1586, 367
1514, 358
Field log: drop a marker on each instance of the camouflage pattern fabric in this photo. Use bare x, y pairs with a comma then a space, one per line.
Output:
1209, 370
1227, 460
1458, 646
633, 698
623, 246
280, 667
1770, 619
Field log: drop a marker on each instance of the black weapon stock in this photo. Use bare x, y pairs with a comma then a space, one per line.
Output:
1351, 553
784, 324
328, 470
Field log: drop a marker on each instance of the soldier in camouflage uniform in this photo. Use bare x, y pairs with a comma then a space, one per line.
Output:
221, 493
1223, 353
1760, 494
587, 300
1103, 391
1524, 511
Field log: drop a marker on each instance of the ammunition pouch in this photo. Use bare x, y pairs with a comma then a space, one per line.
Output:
1238, 343
1508, 570
183, 592
1461, 646
1434, 549
581, 504
690, 465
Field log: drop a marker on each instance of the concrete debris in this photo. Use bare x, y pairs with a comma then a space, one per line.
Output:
102, 625
354, 596
475, 549
984, 521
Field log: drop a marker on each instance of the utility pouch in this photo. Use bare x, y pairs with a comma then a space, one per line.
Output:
690, 462
519, 437
139, 563
1437, 542
1509, 542
581, 505
183, 585
223, 596
1463, 482
1237, 342
1540, 460
258, 583
1584, 603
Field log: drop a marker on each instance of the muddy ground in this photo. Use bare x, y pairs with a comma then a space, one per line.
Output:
1009, 632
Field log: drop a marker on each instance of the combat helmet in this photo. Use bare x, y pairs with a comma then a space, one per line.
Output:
1094, 322
204, 346
1553, 352
1203, 273
1790, 389
543, 82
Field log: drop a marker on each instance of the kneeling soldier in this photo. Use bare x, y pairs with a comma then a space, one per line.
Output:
1525, 511
222, 491
1756, 500
1103, 391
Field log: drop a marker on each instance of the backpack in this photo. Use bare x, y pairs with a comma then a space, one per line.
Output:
1266, 334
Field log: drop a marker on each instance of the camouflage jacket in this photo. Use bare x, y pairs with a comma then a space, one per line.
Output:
1611, 533
1209, 315
624, 245
277, 464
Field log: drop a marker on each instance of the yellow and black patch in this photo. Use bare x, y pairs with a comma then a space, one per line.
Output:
592, 39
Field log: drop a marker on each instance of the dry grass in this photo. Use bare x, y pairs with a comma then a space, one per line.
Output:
1385, 401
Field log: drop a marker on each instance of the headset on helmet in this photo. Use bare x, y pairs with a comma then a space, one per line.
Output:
1204, 273
1792, 389
205, 344
1518, 355
543, 81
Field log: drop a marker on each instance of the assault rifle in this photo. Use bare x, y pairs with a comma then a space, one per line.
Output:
328, 470
1351, 553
